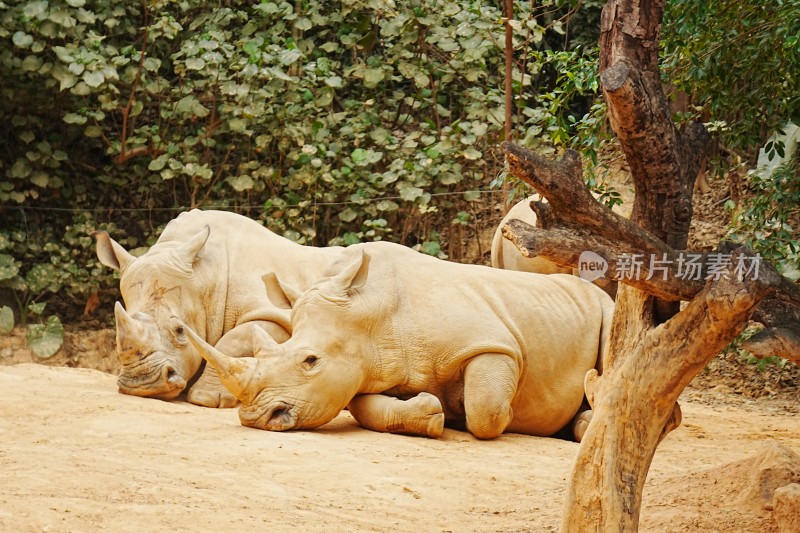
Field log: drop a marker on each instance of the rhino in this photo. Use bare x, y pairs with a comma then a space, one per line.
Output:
507, 256
406, 342
205, 269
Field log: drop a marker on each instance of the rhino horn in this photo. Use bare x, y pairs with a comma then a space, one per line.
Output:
189, 250
235, 373
128, 332
110, 252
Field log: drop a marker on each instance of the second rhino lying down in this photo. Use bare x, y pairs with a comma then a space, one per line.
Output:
406, 341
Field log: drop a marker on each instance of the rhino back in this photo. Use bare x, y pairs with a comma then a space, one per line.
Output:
479, 305
226, 281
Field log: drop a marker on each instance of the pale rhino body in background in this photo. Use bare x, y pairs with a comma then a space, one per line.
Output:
206, 269
507, 256
502, 350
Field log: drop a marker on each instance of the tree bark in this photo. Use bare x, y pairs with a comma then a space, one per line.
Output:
654, 350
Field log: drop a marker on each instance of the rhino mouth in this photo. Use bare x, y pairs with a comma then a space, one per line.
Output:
164, 383
279, 417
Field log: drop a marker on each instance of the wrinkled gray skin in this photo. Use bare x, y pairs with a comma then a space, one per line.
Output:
405, 340
206, 270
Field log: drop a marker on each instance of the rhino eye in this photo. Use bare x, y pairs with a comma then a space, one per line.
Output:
179, 330
311, 360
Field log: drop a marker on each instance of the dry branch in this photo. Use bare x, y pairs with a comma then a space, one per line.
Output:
573, 222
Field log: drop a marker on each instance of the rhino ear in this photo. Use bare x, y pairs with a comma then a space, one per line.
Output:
280, 294
354, 273
110, 252
189, 250
263, 343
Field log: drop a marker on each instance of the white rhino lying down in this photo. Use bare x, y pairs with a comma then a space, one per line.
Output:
406, 341
206, 270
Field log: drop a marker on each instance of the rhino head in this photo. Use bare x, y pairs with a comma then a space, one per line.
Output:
306, 381
157, 359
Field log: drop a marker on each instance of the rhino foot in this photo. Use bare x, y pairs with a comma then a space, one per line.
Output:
428, 406
211, 398
420, 416
580, 424
436, 426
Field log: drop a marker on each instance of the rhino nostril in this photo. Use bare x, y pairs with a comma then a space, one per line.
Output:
170, 374
277, 414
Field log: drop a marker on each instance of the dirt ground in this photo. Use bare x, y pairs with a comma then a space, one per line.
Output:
75, 455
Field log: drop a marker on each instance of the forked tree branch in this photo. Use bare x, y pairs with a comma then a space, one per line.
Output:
573, 222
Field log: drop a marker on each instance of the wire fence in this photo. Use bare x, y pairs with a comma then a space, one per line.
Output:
224, 207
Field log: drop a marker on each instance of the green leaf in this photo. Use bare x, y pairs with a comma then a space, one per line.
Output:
20, 169
93, 78
190, 105
152, 64
42, 277
44, 340
37, 308
92, 131
195, 63
351, 238
158, 163
372, 77
359, 156
238, 124
303, 24
241, 183
333, 81
471, 153
74, 118
348, 215
8, 267
34, 9
431, 248
40, 179
408, 192
387, 205
472, 196
287, 57
31, 63
21, 39
6, 320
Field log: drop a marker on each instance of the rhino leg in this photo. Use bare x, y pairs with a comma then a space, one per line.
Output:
580, 423
490, 383
421, 415
209, 391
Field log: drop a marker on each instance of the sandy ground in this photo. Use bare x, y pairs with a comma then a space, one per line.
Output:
75, 455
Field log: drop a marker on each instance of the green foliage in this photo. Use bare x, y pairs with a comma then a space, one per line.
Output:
36, 266
332, 122
739, 61
768, 221
46, 338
